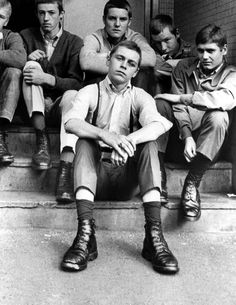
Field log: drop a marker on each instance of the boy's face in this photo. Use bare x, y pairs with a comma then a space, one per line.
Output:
116, 22
49, 17
4, 17
123, 65
165, 42
210, 55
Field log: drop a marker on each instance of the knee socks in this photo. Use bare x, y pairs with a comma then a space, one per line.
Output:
152, 211
84, 209
38, 121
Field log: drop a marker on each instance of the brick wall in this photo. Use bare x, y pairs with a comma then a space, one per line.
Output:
166, 7
191, 15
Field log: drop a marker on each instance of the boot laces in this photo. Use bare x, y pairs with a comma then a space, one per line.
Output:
159, 242
43, 142
82, 238
191, 192
65, 172
3, 145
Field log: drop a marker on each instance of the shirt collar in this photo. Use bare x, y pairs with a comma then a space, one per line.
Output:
55, 38
201, 74
109, 85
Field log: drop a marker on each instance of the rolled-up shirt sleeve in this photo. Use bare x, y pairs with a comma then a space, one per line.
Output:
147, 111
223, 98
82, 104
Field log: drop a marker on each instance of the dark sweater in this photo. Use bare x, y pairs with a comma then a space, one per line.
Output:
12, 52
64, 63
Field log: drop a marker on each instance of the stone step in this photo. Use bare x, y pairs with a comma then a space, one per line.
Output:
21, 140
19, 176
39, 210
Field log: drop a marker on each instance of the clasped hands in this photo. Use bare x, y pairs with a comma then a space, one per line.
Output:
123, 147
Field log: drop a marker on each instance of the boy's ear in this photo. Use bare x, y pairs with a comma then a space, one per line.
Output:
62, 15
130, 19
135, 73
225, 49
177, 33
108, 60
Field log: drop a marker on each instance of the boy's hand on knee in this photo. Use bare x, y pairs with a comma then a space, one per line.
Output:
189, 149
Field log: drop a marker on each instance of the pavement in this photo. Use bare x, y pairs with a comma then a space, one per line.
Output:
30, 273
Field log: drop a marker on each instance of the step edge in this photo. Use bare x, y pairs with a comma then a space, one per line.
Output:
209, 202
25, 161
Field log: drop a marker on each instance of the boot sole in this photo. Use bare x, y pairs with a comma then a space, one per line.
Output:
6, 161
164, 200
41, 167
76, 268
160, 269
192, 218
65, 199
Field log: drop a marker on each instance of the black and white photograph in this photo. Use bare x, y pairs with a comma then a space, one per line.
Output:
117, 152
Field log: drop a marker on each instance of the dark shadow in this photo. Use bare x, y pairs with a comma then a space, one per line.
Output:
23, 15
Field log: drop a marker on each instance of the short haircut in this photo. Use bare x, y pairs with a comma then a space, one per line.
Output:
58, 2
123, 4
211, 33
6, 4
161, 21
131, 45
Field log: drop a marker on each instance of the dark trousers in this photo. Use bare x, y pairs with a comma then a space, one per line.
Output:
10, 88
107, 181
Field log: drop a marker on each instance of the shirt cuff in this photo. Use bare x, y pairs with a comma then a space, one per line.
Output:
185, 132
186, 99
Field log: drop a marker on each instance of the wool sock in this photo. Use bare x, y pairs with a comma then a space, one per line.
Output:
38, 121
152, 211
84, 209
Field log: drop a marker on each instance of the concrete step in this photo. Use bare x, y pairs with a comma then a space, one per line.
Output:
40, 210
21, 140
19, 176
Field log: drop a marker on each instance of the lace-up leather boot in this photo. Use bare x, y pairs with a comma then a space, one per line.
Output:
83, 249
64, 188
5, 156
190, 199
155, 249
41, 160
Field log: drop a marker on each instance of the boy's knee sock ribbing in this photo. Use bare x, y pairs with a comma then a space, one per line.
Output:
152, 211
84, 209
